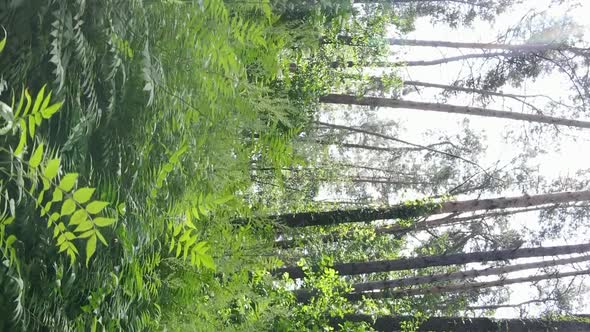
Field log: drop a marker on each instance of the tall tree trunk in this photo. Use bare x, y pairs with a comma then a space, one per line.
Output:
429, 279
415, 63
447, 108
395, 293
418, 63
463, 2
428, 224
512, 305
532, 47
406, 211
464, 89
467, 324
400, 230
380, 148
516, 48
441, 260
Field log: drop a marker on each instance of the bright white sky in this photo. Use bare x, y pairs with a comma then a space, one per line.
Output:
572, 155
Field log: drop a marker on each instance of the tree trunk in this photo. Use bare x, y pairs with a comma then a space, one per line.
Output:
428, 224
440, 260
447, 108
464, 89
532, 47
380, 148
462, 2
516, 48
399, 230
461, 287
514, 305
467, 324
406, 211
428, 279
416, 63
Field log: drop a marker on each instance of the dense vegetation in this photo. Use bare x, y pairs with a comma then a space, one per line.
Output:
161, 163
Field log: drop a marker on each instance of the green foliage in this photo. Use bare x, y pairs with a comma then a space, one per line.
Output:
165, 109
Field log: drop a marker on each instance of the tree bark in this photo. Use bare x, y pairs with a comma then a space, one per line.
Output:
428, 224
440, 260
532, 47
461, 287
513, 305
447, 108
514, 48
428, 279
468, 90
406, 211
467, 324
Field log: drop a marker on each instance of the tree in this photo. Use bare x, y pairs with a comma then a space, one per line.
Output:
405, 211
436, 107
467, 287
463, 275
468, 324
451, 12
440, 260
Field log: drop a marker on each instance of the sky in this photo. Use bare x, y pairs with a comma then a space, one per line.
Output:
565, 161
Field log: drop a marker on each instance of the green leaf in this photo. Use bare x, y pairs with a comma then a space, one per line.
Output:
82, 195
40, 198
96, 206
51, 169
185, 253
171, 245
10, 240
3, 41
70, 236
68, 207
101, 238
37, 156
22, 142
185, 236
201, 247
208, 262
78, 217
103, 222
57, 195
7, 221
32, 127
47, 207
121, 208
61, 239
46, 183
63, 246
72, 253
189, 220
191, 241
68, 181
38, 100
177, 230
28, 103
19, 108
178, 248
46, 102
49, 111
223, 199
73, 247
84, 226
87, 234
